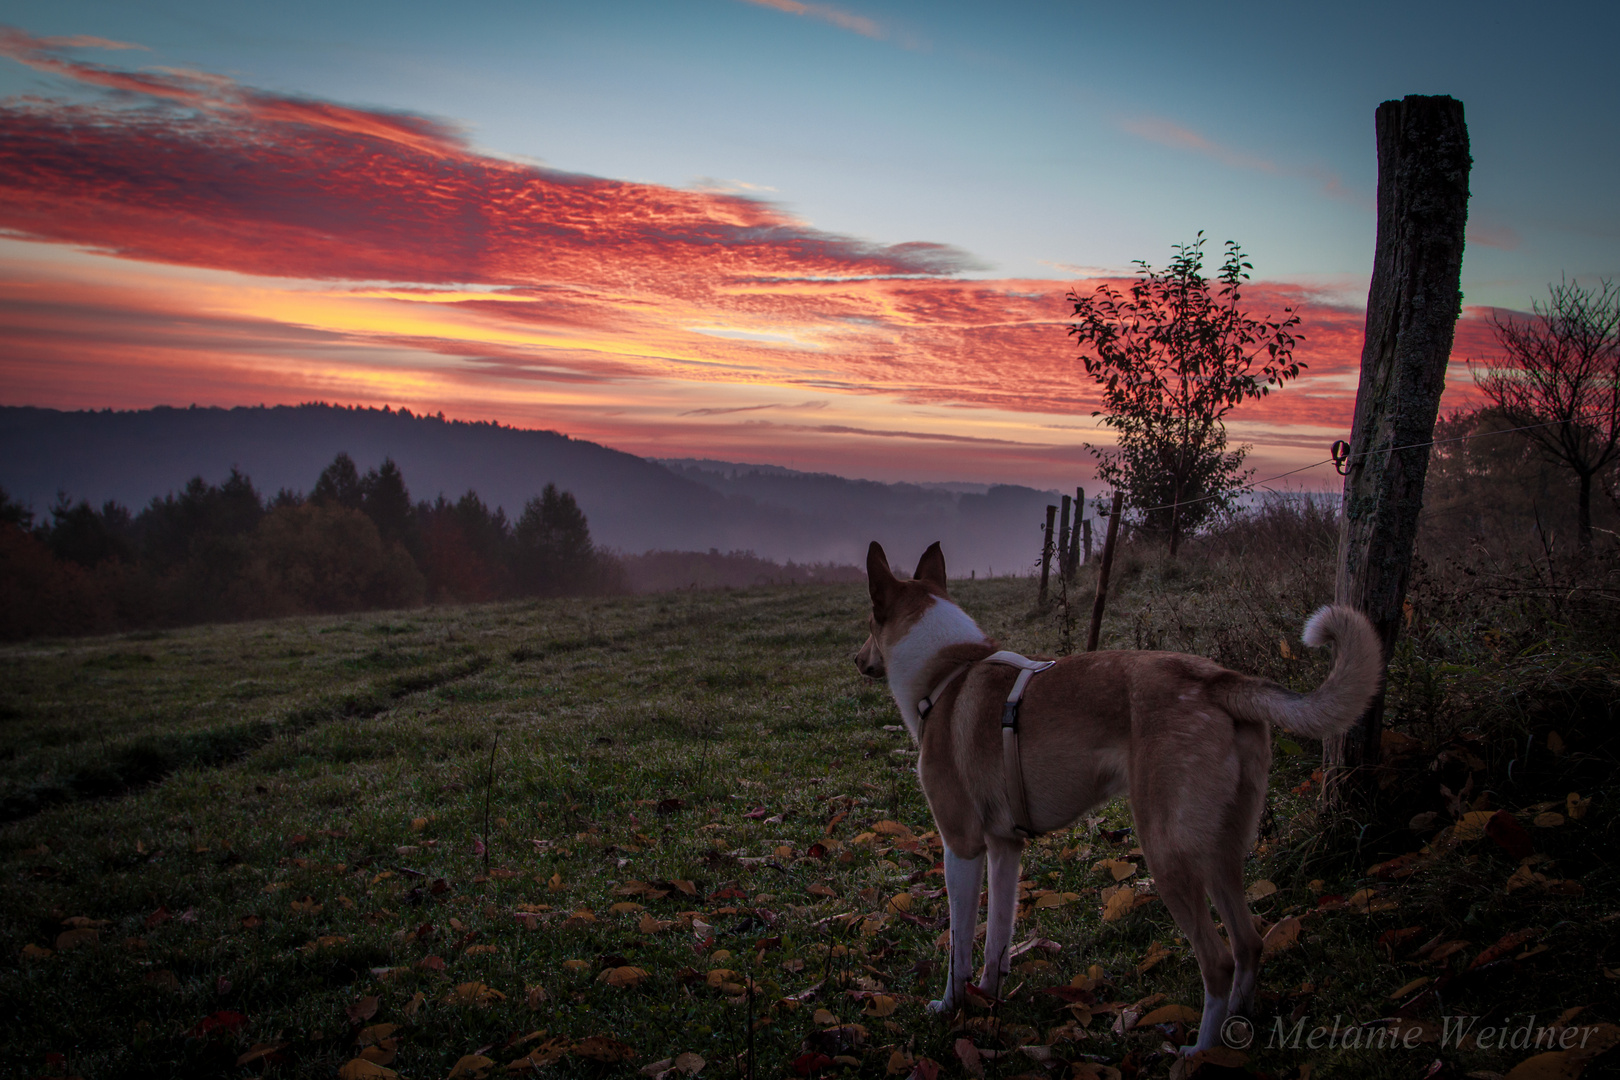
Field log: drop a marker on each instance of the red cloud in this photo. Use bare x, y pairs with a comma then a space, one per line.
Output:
585, 280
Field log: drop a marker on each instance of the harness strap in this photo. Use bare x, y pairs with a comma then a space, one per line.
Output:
1012, 766
926, 705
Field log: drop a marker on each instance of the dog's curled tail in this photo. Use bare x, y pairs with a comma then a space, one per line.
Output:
1344, 695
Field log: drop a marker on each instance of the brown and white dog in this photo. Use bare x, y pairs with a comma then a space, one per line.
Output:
1188, 740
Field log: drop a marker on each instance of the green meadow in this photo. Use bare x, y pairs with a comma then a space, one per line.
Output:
679, 834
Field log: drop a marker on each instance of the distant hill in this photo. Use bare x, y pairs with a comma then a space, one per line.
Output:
634, 505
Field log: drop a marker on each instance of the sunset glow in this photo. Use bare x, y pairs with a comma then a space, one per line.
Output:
176, 237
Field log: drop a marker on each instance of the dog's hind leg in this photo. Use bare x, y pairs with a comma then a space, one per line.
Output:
962, 880
1226, 889
1183, 893
1003, 910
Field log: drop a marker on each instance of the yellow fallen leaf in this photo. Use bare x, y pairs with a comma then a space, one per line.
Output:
1056, 899
418, 824
1416, 984
35, 952
1155, 955
900, 902
864, 838
689, 1064
624, 976
1555, 1065
473, 1067
1548, 820
1118, 902
72, 939
414, 1006
650, 925
1575, 806
880, 1005
361, 1069
899, 1064
816, 888
556, 882
1360, 899
824, 1018
1119, 868
480, 950
1471, 826
1169, 1014
1280, 937
603, 1048
626, 907
576, 965
893, 828
1259, 890
473, 993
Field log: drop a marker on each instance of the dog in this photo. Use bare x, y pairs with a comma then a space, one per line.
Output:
1187, 739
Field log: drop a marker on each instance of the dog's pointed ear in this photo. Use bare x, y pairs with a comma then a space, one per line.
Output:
931, 567
879, 578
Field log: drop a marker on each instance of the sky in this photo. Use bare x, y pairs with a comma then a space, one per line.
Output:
835, 237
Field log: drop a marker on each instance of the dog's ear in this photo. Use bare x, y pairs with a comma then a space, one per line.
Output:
879, 578
931, 567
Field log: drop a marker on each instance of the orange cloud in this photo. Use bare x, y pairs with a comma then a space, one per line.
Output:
256, 247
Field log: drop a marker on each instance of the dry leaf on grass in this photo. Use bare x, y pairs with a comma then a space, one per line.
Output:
880, 1005
1118, 902
604, 1048
1259, 890
1120, 869
625, 977
361, 1069
473, 993
1416, 984
1281, 937
72, 939
472, 1067
1170, 1014
362, 1010
1152, 958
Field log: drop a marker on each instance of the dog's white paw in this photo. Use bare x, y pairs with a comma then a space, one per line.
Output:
940, 1007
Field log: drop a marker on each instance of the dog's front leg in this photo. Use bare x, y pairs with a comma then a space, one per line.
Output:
1003, 906
962, 878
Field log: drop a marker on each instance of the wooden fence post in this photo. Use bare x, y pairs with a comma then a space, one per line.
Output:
1085, 538
1098, 604
1412, 309
1074, 537
1046, 552
1063, 540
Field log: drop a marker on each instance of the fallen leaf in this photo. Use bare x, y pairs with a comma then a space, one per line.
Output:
1549, 820
1283, 936
414, 1006
689, 1064
880, 1005
893, 828
626, 907
1170, 1014
418, 824
363, 1010
1471, 826
72, 939
818, 889
1575, 806
1118, 902
1056, 899
1416, 984
900, 902
473, 993
624, 976
1259, 890
605, 1049
899, 1062
823, 1018
1155, 955
576, 965
472, 1066
361, 1069
1509, 943
259, 1051
1119, 868
969, 1056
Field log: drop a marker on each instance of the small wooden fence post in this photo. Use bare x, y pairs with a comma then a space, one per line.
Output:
1085, 538
1074, 537
1063, 554
1046, 553
1102, 572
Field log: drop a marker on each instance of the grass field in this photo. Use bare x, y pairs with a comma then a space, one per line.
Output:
583, 837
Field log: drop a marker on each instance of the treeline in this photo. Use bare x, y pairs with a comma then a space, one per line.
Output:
222, 552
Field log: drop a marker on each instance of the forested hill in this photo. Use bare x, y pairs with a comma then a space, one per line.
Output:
633, 504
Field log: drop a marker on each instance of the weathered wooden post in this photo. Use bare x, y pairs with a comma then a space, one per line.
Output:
1412, 310
1074, 537
1063, 540
1085, 538
1046, 552
1098, 604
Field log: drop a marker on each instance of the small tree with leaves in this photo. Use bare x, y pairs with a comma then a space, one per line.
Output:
1173, 356
1561, 382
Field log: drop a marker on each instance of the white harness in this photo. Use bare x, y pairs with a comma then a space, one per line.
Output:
1011, 766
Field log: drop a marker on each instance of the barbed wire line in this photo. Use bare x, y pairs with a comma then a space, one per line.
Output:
1367, 454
